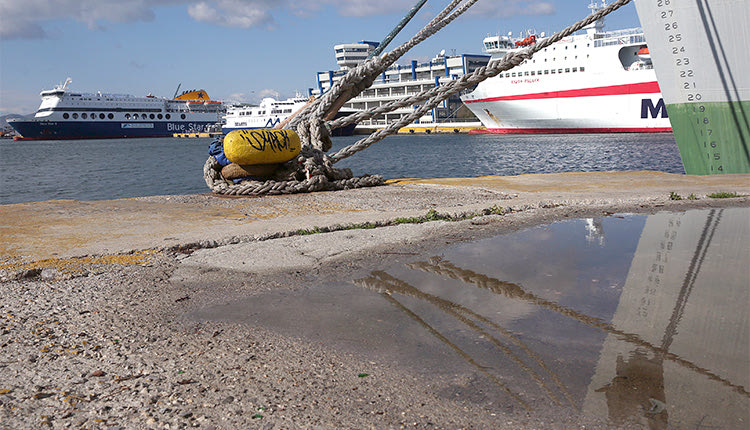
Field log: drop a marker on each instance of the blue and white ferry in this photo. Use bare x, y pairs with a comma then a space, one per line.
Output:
64, 114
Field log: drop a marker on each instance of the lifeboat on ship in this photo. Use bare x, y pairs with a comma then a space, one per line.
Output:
527, 41
643, 53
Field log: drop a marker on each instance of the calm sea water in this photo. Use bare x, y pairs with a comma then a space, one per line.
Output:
121, 168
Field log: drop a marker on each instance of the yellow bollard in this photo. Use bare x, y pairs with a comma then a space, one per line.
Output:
261, 146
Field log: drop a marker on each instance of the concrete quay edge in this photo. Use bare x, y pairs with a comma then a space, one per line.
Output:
55, 230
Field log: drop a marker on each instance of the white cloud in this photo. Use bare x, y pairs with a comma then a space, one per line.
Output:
253, 97
510, 8
27, 18
234, 13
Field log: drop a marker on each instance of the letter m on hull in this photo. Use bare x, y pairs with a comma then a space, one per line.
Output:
648, 110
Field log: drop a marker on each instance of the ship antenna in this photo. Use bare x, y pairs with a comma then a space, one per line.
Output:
177, 91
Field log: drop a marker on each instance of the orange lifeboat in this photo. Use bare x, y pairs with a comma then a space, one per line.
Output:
526, 42
644, 54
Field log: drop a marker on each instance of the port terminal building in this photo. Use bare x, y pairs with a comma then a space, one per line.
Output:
400, 81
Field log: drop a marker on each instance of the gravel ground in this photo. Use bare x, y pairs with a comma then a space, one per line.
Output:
108, 345
108, 349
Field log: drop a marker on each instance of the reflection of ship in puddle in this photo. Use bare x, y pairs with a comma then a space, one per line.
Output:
687, 293
676, 351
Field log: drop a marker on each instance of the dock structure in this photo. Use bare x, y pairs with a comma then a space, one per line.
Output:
72, 228
197, 135
439, 128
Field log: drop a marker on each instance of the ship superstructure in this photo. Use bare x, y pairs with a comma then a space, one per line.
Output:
65, 114
594, 81
270, 113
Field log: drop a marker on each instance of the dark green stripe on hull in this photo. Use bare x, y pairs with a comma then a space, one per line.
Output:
713, 138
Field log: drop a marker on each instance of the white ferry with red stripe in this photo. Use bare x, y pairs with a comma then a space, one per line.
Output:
592, 82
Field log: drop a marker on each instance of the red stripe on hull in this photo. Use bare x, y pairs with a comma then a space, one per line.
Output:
614, 90
570, 130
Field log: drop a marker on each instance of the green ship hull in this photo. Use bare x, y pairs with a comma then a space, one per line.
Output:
713, 138
699, 53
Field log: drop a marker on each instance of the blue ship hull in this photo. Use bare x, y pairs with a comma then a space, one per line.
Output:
106, 129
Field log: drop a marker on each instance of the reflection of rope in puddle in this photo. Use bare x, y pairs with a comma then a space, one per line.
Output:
381, 281
508, 289
455, 347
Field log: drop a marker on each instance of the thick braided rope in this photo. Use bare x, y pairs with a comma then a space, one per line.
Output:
375, 66
437, 94
313, 170
362, 76
307, 173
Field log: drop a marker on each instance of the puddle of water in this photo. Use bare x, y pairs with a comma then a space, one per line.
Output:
637, 320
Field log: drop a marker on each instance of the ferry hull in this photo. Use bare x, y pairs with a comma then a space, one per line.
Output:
66, 130
699, 52
551, 113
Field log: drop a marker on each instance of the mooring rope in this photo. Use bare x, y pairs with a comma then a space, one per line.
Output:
313, 169
437, 94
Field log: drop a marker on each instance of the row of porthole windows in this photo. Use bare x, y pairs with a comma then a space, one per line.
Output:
546, 72
127, 116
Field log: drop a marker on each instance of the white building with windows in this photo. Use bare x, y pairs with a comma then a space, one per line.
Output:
402, 80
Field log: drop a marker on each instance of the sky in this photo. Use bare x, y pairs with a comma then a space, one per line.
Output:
237, 50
